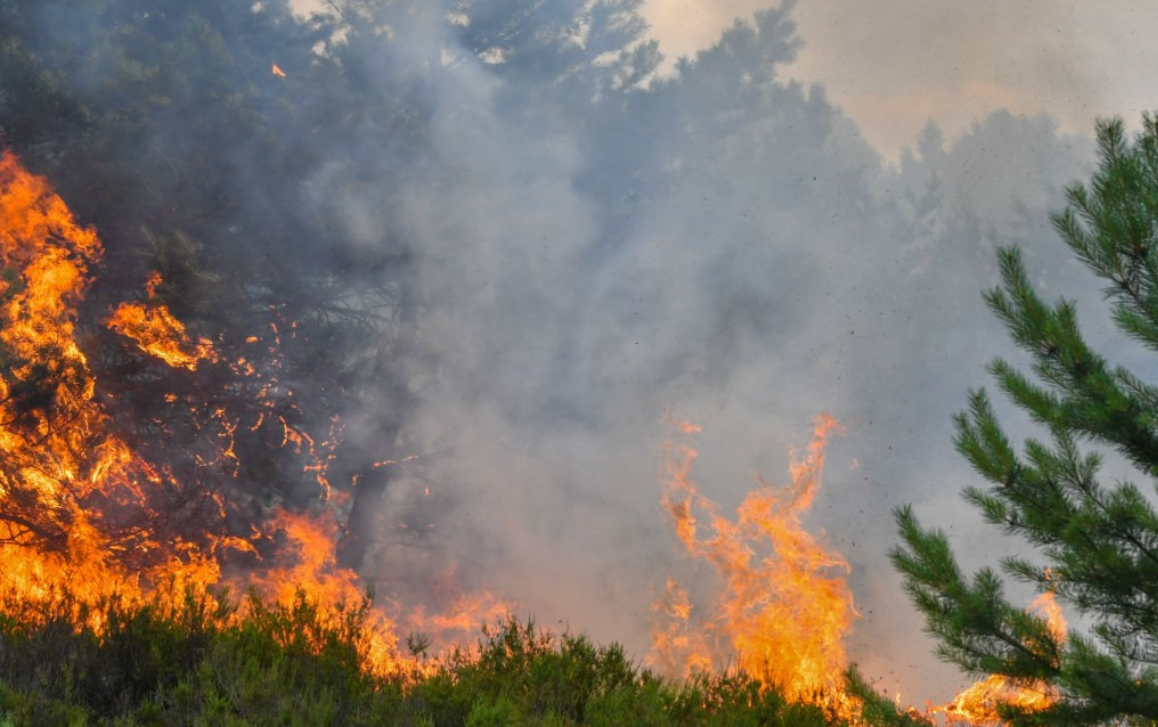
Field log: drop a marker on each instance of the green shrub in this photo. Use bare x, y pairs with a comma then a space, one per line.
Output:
195, 661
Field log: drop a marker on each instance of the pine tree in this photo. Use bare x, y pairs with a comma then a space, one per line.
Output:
1095, 543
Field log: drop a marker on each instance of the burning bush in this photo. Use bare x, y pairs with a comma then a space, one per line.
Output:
89, 518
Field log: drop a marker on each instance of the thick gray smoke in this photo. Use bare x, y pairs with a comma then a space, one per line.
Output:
749, 263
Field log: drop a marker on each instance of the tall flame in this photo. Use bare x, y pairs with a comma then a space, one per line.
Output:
66, 477
780, 616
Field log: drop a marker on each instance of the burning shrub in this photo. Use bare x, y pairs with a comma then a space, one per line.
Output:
95, 510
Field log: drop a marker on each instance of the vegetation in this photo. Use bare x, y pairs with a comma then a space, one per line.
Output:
1095, 542
197, 663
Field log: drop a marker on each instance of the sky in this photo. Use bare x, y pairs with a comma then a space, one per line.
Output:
908, 61
911, 61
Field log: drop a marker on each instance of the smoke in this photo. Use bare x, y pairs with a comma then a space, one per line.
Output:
568, 256
756, 263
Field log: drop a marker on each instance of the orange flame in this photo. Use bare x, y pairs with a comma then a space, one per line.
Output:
153, 328
981, 702
318, 576
80, 510
64, 473
463, 617
780, 617
679, 648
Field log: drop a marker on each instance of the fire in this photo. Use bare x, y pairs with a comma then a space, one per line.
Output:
65, 476
317, 576
779, 616
980, 702
464, 616
153, 328
82, 512
679, 648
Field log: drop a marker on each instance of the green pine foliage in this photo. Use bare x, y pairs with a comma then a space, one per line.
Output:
1095, 543
195, 664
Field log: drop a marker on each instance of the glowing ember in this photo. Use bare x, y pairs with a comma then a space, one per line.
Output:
780, 617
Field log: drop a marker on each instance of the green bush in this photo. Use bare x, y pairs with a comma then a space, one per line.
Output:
196, 662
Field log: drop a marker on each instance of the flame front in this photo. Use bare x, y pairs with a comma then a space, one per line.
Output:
67, 481
780, 617
82, 512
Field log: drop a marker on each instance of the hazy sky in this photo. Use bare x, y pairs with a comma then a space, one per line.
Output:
906, 61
